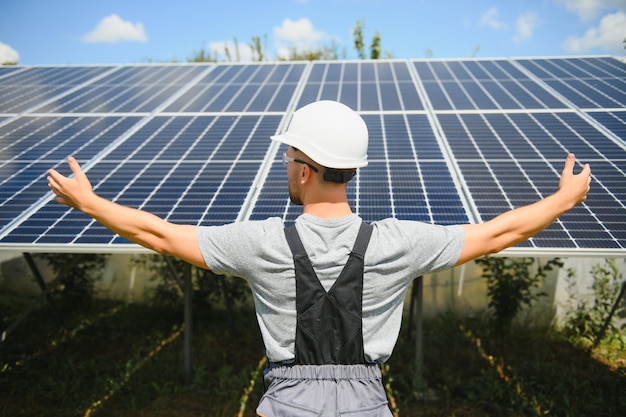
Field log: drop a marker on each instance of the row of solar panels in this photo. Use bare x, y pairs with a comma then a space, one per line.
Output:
381, 86
450, 142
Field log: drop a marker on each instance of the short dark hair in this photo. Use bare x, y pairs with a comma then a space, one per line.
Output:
336, 175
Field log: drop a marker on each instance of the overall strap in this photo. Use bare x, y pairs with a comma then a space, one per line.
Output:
362, 239
329, 327
295, 244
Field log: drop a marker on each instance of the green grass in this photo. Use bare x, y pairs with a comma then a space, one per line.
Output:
127, 360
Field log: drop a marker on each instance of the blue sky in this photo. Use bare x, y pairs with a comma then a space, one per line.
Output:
42, 32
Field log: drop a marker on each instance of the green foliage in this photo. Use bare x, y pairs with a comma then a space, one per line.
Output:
375, 48
126, 360
203, 56
510, 285
359, 45
321, 53
237, 57
208, 288
585, 318
258, 48
532, 371
76, 274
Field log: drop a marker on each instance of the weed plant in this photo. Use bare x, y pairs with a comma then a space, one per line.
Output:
122, 360
127, 360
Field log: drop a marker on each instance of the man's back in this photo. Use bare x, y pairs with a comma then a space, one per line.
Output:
397, 253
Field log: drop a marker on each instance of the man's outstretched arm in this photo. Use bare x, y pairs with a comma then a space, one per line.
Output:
515, 226
135, 225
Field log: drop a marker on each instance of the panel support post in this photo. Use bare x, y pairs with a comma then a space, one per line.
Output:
600, 335
44, 288
419, 339
188, 323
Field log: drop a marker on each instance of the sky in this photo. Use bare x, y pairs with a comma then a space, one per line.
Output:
76, 32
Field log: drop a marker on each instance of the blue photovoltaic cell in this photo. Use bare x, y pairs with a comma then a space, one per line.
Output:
133, 89
32, 145
467, 85
451, 141
192, 170
508, 161
614, 121
406, 177
592, 83
6, 70
364, 86
237, 88
28, 89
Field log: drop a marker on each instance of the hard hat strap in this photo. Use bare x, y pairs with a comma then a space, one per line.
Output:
338, 176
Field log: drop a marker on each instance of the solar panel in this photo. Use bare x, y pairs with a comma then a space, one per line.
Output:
613, 121
587, 83
134, 89
451, 141
22, 91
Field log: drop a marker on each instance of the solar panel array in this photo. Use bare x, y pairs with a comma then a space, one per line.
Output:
451, 141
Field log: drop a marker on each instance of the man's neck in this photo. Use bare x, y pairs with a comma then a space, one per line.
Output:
328, 210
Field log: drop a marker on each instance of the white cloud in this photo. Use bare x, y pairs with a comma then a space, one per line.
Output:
590, 9
8, 54
609, 35
491, 18
299, 34
525, 27
113, 29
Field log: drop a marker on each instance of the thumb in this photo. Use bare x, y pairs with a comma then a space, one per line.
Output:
568, 169
586, 170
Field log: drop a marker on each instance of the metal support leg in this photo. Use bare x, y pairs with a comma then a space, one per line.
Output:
610, 317
186, 287
174, 272
419, 340
188, 323
44, 288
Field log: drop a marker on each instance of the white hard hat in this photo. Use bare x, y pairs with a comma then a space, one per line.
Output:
330, 133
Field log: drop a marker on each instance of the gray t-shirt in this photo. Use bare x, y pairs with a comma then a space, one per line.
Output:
398, 252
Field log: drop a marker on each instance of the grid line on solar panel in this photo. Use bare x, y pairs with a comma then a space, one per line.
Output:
259, 95
142, 89
372, 87
17, 94
473, 132
23, 184
363, 86
234, 88
467, 86
581, 87
49, 76
599, 67
5, 71
613, 121
484, 88
585, 140
406, 175
209, 191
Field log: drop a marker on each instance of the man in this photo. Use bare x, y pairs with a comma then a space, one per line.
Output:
329, 291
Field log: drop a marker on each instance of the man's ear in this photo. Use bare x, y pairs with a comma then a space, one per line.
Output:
305, 173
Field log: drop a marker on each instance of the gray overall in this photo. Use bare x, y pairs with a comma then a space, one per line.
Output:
329, 376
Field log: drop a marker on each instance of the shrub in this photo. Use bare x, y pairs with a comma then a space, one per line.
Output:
76, 274
585, 318
510, 284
